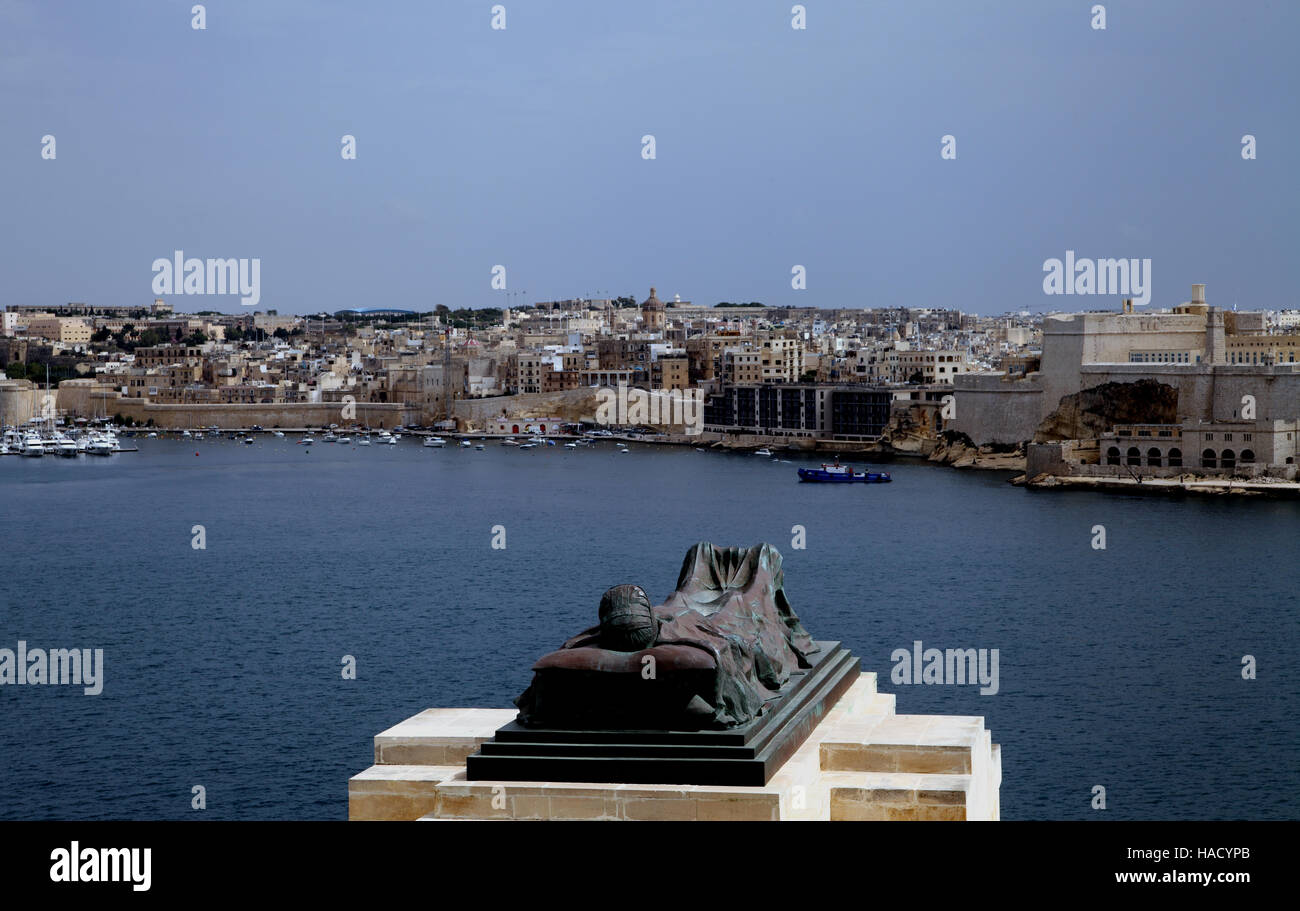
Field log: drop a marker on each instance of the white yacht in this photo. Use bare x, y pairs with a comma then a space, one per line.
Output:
99, 444
306, 441
363, 441
466, 444
386, 438
435, 442
329, 437
32, 447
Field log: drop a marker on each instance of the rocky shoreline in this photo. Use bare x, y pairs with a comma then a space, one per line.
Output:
952, 450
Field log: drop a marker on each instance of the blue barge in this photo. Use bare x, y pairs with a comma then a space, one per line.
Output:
842, 474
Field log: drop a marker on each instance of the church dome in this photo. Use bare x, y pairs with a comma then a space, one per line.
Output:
652, 302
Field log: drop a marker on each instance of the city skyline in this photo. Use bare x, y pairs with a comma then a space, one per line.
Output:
523, 148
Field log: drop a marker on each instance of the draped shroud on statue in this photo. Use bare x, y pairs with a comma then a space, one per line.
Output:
729, 605
730, 601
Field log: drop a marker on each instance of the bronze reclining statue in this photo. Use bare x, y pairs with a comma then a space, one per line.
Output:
713, 655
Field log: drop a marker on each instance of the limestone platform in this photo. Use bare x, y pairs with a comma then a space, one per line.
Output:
862, 762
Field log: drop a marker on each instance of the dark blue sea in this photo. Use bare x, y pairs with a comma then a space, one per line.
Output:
1118, 667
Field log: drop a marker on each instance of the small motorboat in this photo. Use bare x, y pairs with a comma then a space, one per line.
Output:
435, 442
466, 444
763, 452
842, 474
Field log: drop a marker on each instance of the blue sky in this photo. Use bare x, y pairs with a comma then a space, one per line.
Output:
522, 147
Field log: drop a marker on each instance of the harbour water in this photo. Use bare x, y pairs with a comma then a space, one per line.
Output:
1118, 667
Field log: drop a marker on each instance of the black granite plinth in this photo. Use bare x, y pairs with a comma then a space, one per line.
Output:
748, 755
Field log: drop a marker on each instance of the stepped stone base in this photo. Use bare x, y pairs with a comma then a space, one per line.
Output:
861, 762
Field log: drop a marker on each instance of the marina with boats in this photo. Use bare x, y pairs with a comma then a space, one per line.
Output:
41, 439
47, 437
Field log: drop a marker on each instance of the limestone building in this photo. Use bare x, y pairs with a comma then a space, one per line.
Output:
1187, 349
652, 312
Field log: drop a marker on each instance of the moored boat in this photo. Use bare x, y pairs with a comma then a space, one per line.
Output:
842, 474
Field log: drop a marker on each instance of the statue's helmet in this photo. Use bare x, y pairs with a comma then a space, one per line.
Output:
627, 624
